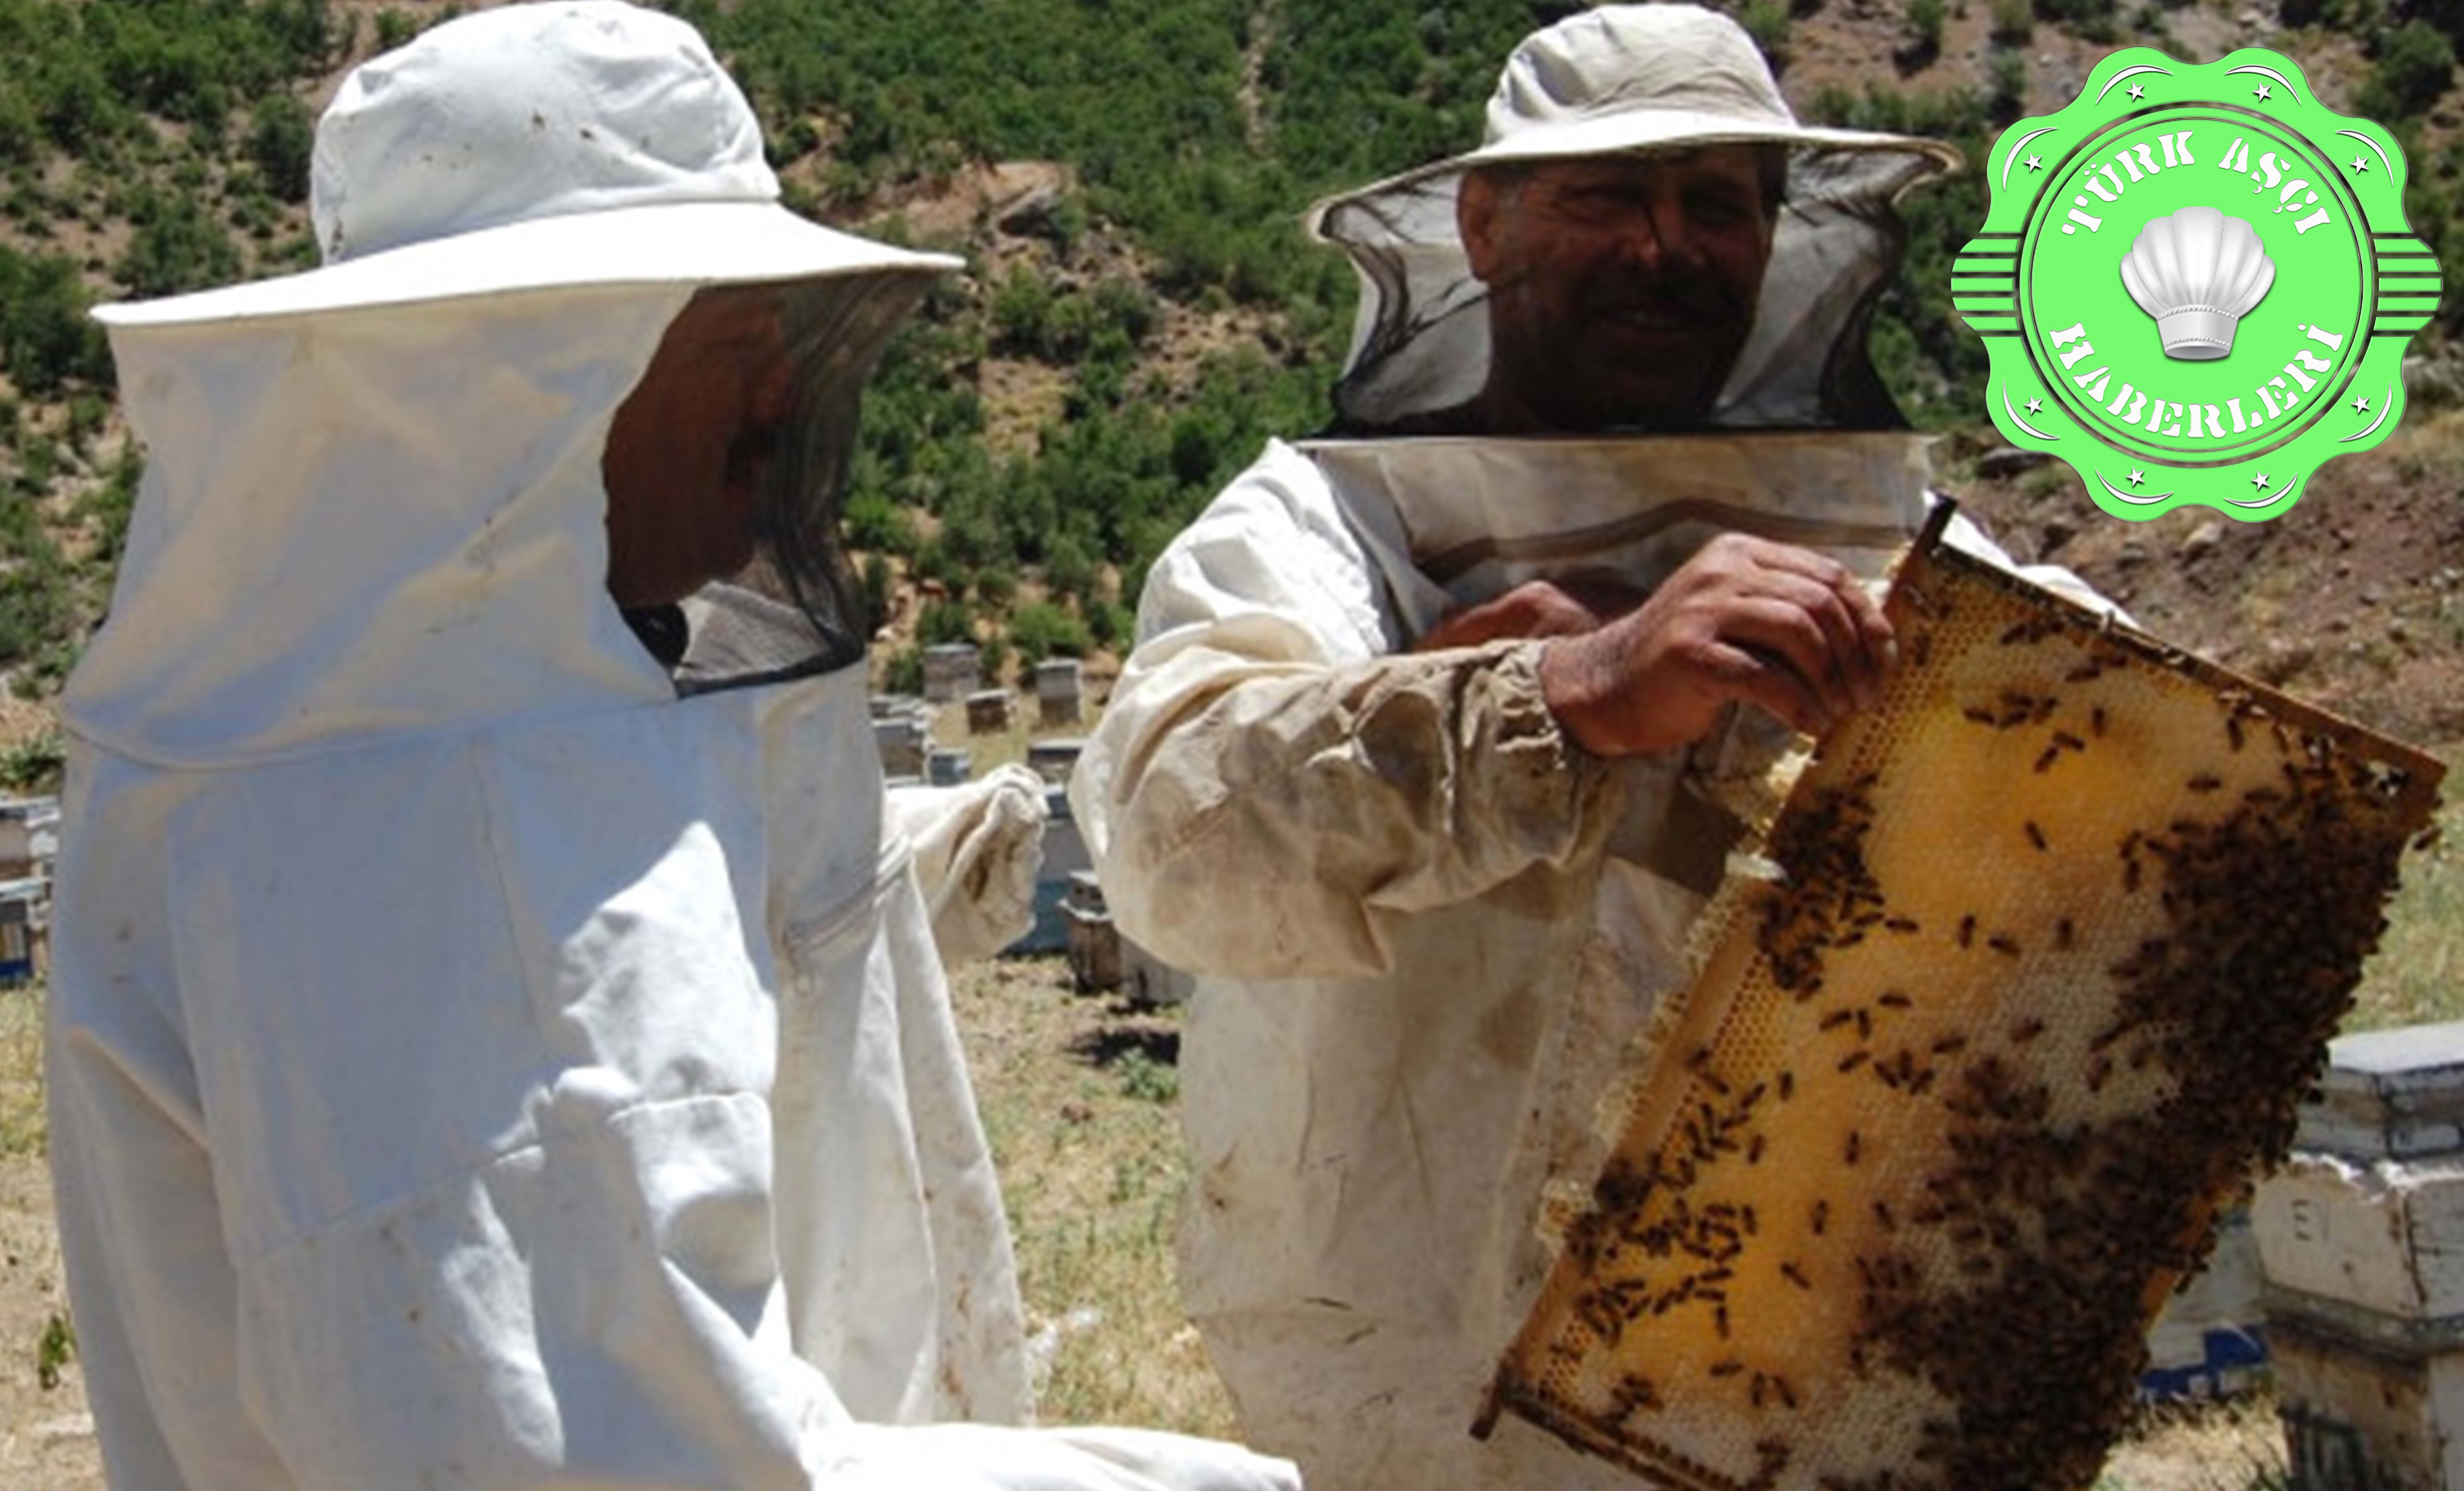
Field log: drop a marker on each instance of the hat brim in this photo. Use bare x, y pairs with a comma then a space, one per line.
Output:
1632, 133
692, 243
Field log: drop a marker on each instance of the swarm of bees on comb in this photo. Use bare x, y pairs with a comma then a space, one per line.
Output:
2049, 948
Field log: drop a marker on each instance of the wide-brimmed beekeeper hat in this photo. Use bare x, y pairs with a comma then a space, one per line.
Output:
1632, 80
534, 147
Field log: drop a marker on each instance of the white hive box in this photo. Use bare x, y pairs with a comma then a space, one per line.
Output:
1058, 688
952, 670
2361, 1239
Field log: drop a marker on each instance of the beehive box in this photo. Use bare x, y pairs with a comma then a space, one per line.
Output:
2047, 947
2364, 1284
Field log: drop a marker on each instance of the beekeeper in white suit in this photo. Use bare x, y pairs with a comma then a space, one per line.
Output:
1438, 730
493, 1041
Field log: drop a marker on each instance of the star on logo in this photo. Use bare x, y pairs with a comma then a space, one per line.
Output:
2036, 406
2138, 90
2361, 405
2035, 163
2136, 476
2360, 164
2261, 95
2260, 480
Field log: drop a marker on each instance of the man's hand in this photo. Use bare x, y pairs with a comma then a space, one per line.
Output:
1744, 621
1537, 608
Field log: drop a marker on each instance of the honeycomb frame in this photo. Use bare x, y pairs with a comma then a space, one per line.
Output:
2044, 951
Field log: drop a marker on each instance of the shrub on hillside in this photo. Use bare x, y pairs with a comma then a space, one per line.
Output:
1766, 21
21, 127
2094, 20
107, 508
280, 141
178, 246
2415, 64
1041, 630
35, 609
902, 670
945, 622
1068, 568
395, 28
1924, 23
874, 581
1925, 354
47, 341
35, 765
876, 525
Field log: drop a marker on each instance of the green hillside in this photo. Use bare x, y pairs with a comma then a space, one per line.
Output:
1124, 180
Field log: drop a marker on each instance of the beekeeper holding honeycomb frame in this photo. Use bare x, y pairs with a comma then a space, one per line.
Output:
1430, 747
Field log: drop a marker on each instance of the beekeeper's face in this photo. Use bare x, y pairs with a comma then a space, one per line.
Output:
690, 445
1621, 286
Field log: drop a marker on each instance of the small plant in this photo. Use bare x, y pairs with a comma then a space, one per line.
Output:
1766, 21
992, 654
1041, 630
874, 578
902, 671
394, 28
280, 140
34, 764
54, 1352
1111, 624
995, 587
2007, 96
1146, 1078
1925, 19
945, 622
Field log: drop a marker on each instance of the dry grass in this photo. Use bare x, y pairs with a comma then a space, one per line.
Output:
21, 1071
46, 1439
2417, 976
2230, 1446
1078, 1096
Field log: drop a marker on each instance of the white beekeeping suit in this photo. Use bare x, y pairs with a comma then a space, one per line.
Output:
978, 847
481, 1053
1426, 923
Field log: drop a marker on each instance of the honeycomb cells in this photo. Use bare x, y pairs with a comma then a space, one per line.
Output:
2059, 931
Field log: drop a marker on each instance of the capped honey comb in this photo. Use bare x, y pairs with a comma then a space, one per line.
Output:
2049, 946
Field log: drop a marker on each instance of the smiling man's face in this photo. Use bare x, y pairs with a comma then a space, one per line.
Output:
1621, 288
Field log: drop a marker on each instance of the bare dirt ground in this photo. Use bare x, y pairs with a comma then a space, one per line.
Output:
46, 1438
2352, 601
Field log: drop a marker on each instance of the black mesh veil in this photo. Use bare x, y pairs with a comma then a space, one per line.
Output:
796, 609
1422, 345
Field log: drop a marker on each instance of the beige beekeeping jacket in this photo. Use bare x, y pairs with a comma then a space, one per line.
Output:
1425, 925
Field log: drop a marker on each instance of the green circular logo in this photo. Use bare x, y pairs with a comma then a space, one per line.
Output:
2196, 284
